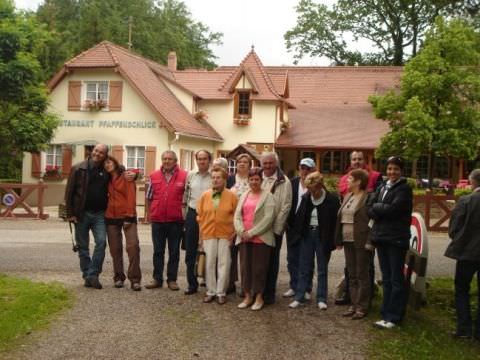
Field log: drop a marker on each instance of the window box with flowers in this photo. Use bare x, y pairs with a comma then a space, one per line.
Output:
242, 121
138, 172
53, 172
95, 105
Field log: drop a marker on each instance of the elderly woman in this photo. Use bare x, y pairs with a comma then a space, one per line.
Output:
253, 223
121, 215
391, 213
352, 233
215, 210
315, 223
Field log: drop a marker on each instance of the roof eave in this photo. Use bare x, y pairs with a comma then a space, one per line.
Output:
180, 133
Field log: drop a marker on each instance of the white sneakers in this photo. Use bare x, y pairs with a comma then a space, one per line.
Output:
288, 293
308, 296
382, 324
322, 305
295, 304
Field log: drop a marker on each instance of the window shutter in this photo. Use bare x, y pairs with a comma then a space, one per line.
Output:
235, 105
36, 165
66, 160
74, 95
117, 153
150, 157
115, 97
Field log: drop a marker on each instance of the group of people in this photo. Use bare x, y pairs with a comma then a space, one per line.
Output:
240, 220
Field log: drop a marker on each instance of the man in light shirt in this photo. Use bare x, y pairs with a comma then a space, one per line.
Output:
198, 181
275, 181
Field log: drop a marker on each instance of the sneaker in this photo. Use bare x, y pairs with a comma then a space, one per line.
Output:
308, 296
295, 304
155, 284
118, 284
288, 293
322, 305
136, 287
172, 285
379, 323
95, 283
382, 324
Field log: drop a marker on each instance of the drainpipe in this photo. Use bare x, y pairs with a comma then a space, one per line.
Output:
177, 137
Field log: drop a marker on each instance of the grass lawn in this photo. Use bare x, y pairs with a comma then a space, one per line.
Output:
426, 334
26, 306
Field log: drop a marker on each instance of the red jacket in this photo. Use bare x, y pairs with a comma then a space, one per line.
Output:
121, 198
167, 198
374, 178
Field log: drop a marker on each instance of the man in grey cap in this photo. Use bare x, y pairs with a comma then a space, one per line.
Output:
307, 166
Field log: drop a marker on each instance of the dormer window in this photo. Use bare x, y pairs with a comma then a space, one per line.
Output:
97, 91
243, 104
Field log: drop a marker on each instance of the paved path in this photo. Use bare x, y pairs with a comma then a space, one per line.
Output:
161, 324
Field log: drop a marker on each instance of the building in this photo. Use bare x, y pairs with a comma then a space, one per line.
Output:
140, 108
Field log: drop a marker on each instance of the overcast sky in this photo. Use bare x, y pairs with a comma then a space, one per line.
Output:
244, 23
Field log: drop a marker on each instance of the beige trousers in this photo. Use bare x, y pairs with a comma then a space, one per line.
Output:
217, 267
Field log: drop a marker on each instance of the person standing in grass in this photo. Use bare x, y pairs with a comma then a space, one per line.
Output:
121, 214
390, 211
464, 230
215, 210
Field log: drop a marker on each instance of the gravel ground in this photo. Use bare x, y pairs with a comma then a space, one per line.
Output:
161, 324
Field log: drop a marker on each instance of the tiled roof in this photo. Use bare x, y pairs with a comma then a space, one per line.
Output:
204, 83
333, 127
145, 76
332, 109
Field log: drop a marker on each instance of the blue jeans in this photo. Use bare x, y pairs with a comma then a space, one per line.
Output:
392, 260
293, 262
162, 233
191, 246
464, 273
311, 246
95, 222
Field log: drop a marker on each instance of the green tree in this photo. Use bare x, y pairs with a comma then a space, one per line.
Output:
436, 111
157, 28
25, 123
395, 29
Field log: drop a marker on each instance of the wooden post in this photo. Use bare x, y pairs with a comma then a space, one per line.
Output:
461, 169
318, 159
40, 200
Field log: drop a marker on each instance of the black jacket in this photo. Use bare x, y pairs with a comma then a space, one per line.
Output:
464, 229
291, 217
327, 219
393, 215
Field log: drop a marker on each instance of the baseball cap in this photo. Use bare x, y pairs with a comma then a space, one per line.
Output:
308, 162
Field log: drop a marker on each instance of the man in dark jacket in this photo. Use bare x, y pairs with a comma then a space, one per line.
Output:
464, 230
86, 197
307, 166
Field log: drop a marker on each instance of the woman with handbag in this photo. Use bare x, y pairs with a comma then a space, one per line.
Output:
121, 215
215, 210
391, 213
253, 223
352, 234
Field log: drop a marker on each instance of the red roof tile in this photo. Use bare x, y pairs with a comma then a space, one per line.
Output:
204, 83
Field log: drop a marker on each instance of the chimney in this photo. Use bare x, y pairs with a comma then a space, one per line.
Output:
172, 61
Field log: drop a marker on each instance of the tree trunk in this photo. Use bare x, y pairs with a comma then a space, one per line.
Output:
431, 161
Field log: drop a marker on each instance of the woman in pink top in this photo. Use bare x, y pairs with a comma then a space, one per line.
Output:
253, 223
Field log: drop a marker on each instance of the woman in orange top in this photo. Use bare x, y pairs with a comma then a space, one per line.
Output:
121, 214
215, 210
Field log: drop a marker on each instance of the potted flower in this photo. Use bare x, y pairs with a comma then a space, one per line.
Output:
138, 172
242, 120
95, 105
53, 171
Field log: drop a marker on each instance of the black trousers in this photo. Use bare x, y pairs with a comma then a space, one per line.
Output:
464, 273
272, 274
163, 233
191, 246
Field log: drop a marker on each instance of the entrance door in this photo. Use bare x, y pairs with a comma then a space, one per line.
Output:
87, 150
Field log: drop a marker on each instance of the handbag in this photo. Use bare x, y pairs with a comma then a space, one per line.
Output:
200, 264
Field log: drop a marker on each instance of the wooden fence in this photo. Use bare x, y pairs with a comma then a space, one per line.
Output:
436, 209
19, 194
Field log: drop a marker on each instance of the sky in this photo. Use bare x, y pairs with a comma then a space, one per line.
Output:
244, 23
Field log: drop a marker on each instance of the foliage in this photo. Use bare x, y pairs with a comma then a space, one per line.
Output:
395, 29
27, 306
425, 334
331, 183
412, 183
157, 28
25, 123
436, 110
462, 192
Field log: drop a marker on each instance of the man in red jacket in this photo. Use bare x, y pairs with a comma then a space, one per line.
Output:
165, 195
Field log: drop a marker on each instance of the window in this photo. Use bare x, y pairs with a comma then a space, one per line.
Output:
97, 91
242, 104
54, 157
232, 163
186, 159
335, 162
136, 158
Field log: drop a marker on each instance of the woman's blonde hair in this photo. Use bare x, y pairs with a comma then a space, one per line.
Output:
314, 179
246, 156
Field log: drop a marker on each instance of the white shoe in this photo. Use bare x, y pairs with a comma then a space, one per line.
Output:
288, 293
322, 305
389, 325
308, 296
243, 305
295, 304
379, 323
257, 306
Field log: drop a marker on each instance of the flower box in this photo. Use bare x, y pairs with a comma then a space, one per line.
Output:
241, 121
53, 171
95, 105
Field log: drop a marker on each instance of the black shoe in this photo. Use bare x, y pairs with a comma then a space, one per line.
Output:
190, 291
231, 290
95, 283
268, 301
460, 336
87, 283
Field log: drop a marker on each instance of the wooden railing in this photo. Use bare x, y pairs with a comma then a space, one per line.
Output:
436, 210
20, 201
